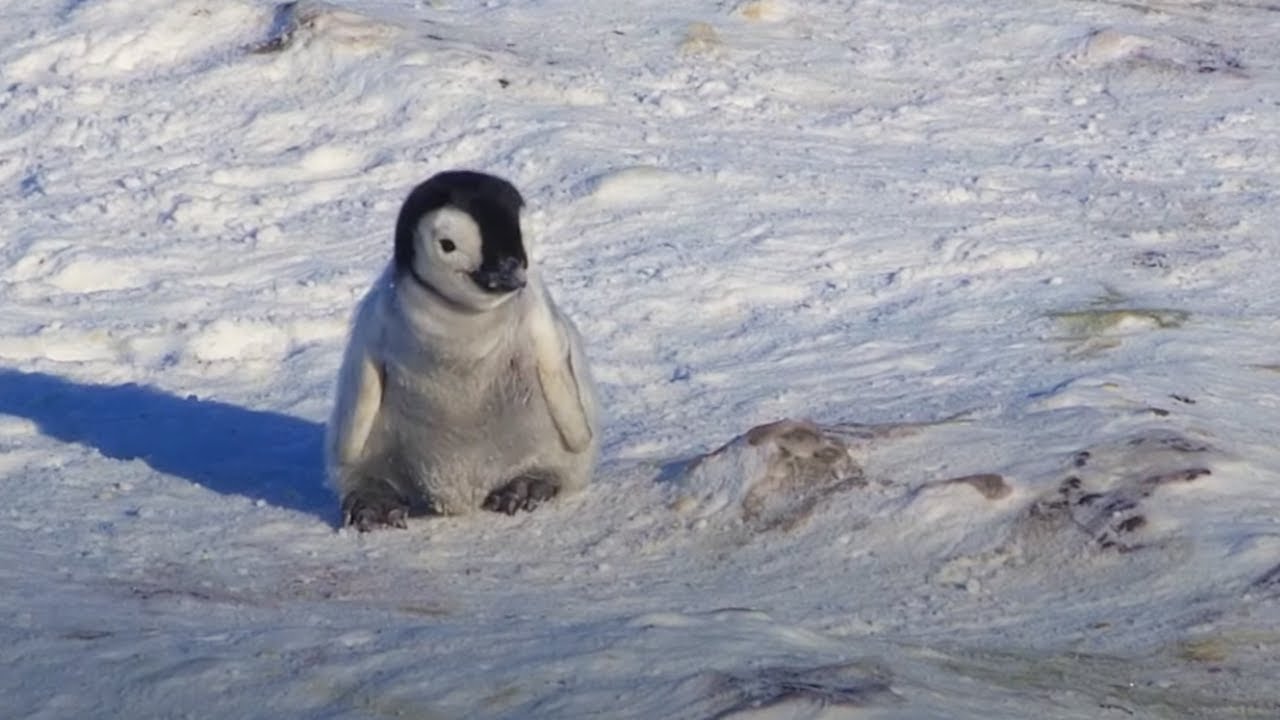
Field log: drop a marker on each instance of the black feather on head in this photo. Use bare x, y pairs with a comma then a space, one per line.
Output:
493, 203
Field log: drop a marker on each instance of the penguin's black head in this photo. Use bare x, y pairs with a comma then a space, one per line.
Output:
458, 235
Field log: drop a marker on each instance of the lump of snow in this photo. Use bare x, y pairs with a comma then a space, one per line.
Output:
1113, 490
1110, 47
302, 22
239, 340
1107, 46
772, 477
633, 184
701, 39
118, 38
990, 485
763, 10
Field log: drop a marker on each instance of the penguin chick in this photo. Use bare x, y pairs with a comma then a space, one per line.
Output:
462, 385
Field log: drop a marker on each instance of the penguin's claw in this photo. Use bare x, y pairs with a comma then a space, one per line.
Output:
368, 510
523, 493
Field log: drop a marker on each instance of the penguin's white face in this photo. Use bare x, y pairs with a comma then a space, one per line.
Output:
458, 239
448, 254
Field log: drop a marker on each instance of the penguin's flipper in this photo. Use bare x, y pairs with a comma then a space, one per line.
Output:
359, 394
559, 366
359, 399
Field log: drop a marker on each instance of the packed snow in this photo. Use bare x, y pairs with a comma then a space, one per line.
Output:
937, 342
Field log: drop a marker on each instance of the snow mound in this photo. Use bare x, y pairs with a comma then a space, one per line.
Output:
300, 24
639, 184
772, 477
701, 39
1120, 507
119, 38
768, 11
1107, 46
1112, 47
239, 339
1104, 497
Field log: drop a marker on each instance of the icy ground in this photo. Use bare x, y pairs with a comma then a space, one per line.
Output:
1031, 242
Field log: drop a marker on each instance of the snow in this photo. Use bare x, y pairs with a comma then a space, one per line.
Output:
1013, 260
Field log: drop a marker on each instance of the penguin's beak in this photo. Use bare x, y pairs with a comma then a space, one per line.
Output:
508, 276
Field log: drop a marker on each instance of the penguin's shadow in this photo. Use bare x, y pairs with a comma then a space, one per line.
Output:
226, 448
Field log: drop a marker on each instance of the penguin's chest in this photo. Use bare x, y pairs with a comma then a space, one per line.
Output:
485, 412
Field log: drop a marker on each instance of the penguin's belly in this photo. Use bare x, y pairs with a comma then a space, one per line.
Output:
457, 436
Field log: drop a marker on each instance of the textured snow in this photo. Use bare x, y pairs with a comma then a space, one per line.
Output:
1015, 261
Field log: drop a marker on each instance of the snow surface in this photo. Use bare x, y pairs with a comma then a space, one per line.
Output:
1027, 240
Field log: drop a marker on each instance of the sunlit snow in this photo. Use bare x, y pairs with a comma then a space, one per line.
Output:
1006, 269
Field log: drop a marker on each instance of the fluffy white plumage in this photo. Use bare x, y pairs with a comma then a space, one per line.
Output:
449, 390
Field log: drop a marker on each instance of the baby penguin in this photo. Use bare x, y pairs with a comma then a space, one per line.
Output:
462, 386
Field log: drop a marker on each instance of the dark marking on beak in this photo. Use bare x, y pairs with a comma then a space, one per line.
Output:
508, 276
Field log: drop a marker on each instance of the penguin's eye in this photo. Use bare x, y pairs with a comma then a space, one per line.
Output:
447, 245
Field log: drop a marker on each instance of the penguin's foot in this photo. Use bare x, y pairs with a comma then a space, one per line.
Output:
374, 505
523, 493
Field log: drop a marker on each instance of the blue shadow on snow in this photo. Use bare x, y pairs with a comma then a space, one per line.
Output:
228, 449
